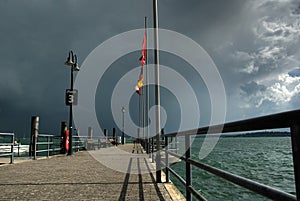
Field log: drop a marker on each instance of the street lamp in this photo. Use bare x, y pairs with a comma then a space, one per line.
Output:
71, 96
123, 111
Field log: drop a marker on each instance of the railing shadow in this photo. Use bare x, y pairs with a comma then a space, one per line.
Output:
154, 181
141, 190
140, 181
125, 183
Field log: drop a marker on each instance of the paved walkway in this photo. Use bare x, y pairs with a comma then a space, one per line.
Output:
83, 177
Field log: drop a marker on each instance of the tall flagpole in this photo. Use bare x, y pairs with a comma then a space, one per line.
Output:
157, 92
142, 111
147, 91
140, 118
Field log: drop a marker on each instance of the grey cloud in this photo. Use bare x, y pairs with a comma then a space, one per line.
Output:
295, 101
296, 7
252, 88
295, 72
297, 11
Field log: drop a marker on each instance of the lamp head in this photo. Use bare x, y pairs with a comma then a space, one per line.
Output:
75, 65
70, 59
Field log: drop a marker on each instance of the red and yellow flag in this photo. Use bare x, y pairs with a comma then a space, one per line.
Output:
138, 87
144, 50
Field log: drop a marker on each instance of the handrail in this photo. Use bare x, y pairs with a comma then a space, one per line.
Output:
177, 155
274, 121
10, 143
289, 120
7, 134
48, 135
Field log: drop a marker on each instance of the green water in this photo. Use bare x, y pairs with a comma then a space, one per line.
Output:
267, 160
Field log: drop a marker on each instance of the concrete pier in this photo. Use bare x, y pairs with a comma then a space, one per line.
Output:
82, 177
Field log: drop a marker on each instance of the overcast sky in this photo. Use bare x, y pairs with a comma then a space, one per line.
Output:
254, 44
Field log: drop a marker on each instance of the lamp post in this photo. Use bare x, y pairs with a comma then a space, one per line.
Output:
71, 95
123, 125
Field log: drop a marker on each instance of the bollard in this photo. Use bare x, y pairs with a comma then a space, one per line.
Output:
123, 138
105, 134
34, 135
90, 142
90, 132
115, 136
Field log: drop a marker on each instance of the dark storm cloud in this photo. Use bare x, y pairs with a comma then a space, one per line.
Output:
207, 22
241, 37
35, 37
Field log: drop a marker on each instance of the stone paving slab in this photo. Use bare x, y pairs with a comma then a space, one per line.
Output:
81, 177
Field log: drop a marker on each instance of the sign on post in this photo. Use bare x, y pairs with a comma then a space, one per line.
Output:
71, 97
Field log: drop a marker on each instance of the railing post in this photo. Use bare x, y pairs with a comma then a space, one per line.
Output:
176, 145
34, 134
77, 143
12, 149
152, 149
158, 159
48, 145
295, 137
18, 150
188, 167
53, 146
149, 147
167, 160
148, 151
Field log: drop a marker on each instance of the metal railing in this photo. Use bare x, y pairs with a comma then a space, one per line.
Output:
19, 149
7, 140
78, 144
150, 146
289, 120
49, 144
90, 143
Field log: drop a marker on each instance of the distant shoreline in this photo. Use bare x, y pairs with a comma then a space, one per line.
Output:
253, 134
262, 134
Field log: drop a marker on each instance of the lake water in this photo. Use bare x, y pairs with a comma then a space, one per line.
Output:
267, 160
